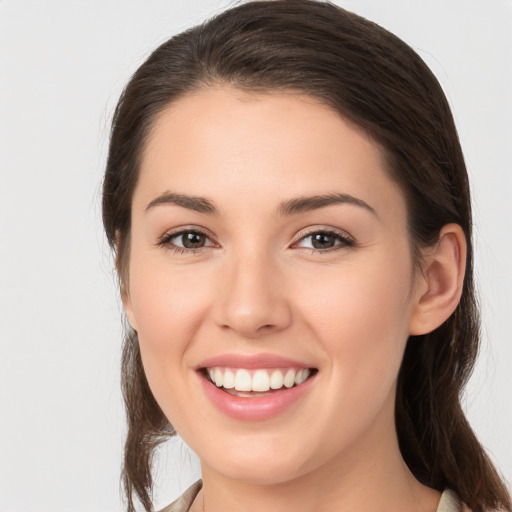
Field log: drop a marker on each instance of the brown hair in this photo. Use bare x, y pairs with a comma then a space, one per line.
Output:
379, 83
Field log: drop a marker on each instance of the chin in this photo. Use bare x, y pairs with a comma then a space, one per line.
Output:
261, 474
259, 465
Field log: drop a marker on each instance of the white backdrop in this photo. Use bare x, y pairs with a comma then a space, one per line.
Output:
62, 66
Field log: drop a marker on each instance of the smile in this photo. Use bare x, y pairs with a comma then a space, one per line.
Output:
255, 388
235, 380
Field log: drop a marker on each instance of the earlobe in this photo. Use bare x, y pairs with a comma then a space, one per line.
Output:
442, 279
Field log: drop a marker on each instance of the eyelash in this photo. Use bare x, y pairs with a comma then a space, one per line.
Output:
346, 241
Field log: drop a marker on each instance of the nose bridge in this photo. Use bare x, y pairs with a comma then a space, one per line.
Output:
253, 300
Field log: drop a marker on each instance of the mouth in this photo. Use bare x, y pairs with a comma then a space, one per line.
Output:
256, 387
256, 382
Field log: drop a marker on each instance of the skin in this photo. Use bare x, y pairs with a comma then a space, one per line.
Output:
258, 285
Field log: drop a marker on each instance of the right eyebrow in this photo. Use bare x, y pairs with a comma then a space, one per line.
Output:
198, 204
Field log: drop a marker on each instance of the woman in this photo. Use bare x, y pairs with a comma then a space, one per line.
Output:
289, 207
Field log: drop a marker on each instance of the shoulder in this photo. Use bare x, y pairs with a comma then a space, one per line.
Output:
450, 502
182, 504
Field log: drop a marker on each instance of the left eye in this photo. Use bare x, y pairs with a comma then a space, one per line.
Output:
324, 240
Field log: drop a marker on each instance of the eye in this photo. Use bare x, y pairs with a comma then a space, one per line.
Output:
190, 240
325, 240
186, 240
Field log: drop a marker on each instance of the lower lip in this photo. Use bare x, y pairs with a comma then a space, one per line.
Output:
257, 408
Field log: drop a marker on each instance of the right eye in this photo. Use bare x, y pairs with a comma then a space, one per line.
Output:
186, 240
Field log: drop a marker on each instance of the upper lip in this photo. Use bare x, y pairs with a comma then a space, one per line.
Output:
252, 361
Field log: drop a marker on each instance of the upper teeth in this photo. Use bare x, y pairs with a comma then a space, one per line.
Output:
257, 380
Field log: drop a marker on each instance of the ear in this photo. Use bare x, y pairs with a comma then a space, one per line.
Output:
127, 305
439, 286
121, 263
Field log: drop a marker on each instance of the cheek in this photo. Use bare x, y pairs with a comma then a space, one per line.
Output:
168, 304
361, 315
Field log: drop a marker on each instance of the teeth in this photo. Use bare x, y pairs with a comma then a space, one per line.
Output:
260, 381
257, 380
218, 377
229, 380
276, 380
302, 375
289, 378
243, 381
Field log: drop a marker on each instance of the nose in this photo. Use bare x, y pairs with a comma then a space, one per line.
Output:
252, 297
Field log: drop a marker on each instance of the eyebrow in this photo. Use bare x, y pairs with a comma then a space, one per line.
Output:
289, 207
304, 204
198, 204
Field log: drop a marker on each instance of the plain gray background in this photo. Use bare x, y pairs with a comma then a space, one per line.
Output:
62, 67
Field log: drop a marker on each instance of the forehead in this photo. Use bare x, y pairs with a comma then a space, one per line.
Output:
223, 142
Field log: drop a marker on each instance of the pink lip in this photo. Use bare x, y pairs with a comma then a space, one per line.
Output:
252, 361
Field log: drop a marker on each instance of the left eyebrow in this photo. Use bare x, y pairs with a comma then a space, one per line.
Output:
307, 203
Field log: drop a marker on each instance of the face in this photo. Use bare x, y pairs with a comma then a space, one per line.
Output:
270, 283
